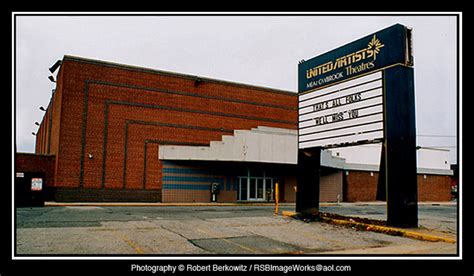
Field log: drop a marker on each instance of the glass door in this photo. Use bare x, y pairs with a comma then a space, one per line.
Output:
260, 189
256, 188
243, 188
269, 190
253, 188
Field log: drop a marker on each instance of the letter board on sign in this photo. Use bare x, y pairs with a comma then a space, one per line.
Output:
347, 112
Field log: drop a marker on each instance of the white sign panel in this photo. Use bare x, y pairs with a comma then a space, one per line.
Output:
36, 184
348, 112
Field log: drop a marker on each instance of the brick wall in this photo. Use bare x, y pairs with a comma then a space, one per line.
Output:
104, 195
47, 136
434, 187
361, 186
112, 119
330, 187
27, 162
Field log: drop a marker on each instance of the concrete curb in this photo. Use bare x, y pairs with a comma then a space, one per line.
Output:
388, 230
151, 204
379, 229
383, 203
328, 204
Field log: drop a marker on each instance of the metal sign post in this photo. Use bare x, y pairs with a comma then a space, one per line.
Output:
400, 148
307, 195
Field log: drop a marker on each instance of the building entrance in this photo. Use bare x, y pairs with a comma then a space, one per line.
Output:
256, 188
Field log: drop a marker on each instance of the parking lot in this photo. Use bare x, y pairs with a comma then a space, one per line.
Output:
216, 230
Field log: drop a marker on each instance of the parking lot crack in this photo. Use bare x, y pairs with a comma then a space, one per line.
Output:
182, 236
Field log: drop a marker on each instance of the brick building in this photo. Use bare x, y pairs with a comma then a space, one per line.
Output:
125, 133
105, 121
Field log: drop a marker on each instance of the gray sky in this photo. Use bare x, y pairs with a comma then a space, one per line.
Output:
262, 51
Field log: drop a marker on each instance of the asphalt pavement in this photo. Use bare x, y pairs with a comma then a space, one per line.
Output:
438, 218
215, 230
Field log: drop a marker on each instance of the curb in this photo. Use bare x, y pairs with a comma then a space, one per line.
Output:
144, 204
388, 230
383, 203
151, 204
379, 229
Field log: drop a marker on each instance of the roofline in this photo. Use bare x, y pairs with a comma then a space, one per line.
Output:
35, 154
375, 168
434, 148
172, 74
341, 164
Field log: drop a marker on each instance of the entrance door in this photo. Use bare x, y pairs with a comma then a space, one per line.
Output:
243, 188
269, 190
260, 189
256, 188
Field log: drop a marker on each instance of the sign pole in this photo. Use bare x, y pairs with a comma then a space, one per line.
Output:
400, 147
381, 182
307, 197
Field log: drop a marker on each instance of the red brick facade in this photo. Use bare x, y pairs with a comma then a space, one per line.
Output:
434, 187
362, 186
330, 189
105, 121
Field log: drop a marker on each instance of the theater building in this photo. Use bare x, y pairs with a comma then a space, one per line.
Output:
122, 133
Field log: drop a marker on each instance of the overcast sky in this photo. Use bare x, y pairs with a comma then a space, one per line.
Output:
262, 51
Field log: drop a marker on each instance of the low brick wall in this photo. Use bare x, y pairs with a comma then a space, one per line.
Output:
361, 186
434, 187
104, 195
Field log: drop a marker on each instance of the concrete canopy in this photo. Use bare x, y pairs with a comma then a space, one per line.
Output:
261, 144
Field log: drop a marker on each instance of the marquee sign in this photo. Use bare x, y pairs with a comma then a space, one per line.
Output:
386, 47
341, 92
362, 92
